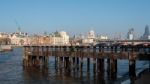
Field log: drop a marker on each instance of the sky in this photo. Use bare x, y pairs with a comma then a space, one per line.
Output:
109, 17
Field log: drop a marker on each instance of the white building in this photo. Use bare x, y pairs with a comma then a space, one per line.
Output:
65, 37
102, 37
130, 34
3, 35
19, 38
91, 35
131, 37
60, 38
90, 38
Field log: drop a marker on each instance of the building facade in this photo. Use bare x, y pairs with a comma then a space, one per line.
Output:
90, 38
130, 34
146, 35
60, 38
56, 38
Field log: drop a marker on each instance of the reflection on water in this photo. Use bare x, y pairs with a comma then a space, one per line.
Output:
13, 72
63, 75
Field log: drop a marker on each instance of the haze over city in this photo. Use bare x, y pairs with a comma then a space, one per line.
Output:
78, 16
74, 41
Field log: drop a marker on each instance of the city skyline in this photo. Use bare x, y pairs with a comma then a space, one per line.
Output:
75, 17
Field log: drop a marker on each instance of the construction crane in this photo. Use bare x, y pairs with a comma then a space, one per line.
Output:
19, 28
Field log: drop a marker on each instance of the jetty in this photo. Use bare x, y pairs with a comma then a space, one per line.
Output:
73, 55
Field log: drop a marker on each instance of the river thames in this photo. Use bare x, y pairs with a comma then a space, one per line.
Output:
13, 72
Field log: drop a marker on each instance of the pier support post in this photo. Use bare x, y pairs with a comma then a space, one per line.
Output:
113, 69
26, 56
67, 63
94, 65
72, 62
101, 72
116, 66
56, 62
81, 64
77, 59
61, 59
108, 67
88, 64
100, 65
132, 64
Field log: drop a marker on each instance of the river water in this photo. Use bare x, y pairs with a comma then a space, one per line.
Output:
12, 72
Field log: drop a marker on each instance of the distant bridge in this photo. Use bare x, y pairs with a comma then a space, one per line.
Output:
125, 42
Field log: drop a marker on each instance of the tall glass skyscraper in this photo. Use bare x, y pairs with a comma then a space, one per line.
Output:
146, 34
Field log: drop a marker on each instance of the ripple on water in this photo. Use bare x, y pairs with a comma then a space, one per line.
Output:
12, 72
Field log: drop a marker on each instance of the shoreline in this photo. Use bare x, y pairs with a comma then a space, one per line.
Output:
143, 77
138, 78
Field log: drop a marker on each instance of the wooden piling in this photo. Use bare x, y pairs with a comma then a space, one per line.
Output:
88, 64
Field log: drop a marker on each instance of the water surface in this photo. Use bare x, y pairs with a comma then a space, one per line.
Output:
13, 72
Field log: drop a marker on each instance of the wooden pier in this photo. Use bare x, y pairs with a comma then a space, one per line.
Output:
69, 56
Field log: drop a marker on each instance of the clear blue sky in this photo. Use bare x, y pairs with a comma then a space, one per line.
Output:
75, 16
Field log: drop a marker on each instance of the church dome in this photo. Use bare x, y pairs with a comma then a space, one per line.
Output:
91, 32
